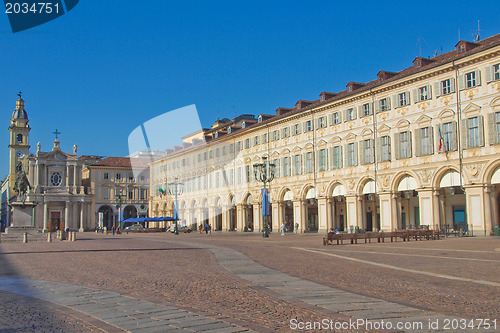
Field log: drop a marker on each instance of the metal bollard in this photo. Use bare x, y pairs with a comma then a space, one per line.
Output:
25, 237
49, 238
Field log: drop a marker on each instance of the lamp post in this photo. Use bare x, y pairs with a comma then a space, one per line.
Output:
175, 189
264, 172
118, 198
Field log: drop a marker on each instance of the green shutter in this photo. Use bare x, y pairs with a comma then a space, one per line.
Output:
454, 141
452, 84
416, 95
461, 82
463, 134
437, 88
388, 102
429, 91
491, 129
417, 141
389, 146
489, 73
478, 77
481, 130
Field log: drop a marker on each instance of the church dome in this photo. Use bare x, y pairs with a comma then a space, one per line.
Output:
20, 112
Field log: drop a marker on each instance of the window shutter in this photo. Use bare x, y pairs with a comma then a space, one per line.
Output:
408, 98
306, 165
299, 128
379, 149
478, 77
355, 153
398, 146
318, 160
489, 73
431, 139
330, 119
454, 144
410, 145
362, 150
491, 129
481, 131
277, 167
416, 95
360, 111
370, 108
463, 134
354, 113
461, 82
395, 101
304, 127
346, 155
345, 115
429, 91
340, 116
438, 137
437, 88
340, 157
389, 146
388, 102
331, 158
452, 84
417, 141
377, 106
372, 155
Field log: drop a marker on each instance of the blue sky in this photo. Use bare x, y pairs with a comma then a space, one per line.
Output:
106, 67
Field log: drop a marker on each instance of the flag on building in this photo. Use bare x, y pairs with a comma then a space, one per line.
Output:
162, 193
441, 140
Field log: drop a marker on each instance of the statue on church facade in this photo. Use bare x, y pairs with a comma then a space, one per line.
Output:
22, 184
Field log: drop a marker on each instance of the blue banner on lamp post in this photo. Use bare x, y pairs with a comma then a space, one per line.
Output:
265, 201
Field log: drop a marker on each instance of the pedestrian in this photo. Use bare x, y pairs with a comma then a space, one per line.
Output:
201, 228
113, 230
105, 230
283, 226
209, 229
206, 228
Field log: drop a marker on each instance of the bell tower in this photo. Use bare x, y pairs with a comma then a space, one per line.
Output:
19, 145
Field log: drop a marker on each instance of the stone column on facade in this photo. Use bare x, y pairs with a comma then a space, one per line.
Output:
82, 222
330, 214
298, 219
395, 211
323, 220
495, 210
488, 213
475, 216
211, 217
67, 179
258, 219
277, 217
361, 207
240, 218
74, 178
66, 216
74, 217
225, 217
426, 205
352, 212
45, 216
386, 202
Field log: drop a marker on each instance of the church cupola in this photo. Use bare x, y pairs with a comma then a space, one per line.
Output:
20, 111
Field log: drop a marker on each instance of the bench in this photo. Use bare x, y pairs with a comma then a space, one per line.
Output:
404, 234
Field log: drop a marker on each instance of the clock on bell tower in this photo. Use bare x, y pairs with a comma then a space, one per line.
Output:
19, 145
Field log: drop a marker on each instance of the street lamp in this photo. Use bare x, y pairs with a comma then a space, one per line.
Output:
175, 189
118, 198
264, 172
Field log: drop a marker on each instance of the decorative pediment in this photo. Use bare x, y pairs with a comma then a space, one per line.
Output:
275, 154
495, 103
424, 120
350, 137
336, 139
446, 114
248, 160
309, 147
384, 129
403, 124
285, 151
296, 149
366, 132
471, 110
322, 143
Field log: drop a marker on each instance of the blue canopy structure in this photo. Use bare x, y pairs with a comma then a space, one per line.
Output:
147, 219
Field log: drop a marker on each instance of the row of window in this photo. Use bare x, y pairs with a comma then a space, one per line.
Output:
118, 176
142, 194
444, 87
363, 152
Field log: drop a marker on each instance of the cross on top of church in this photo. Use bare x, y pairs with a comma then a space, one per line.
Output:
56, 133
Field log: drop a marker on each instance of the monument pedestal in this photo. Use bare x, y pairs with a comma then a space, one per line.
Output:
23, 217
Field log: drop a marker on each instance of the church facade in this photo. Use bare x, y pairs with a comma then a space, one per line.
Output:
53, 197
416, 147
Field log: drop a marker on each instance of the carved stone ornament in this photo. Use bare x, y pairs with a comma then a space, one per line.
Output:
366, 120
496, 86
402, 111
423, 105
351, 183
470, 93
384, 115
336, 128
296, 191
446, 99
350, 125
425, 175
474, 169
385, 180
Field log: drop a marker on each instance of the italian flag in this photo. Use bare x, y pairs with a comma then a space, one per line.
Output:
162, 193
441, 139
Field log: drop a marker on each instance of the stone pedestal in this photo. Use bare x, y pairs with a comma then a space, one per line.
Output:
23, 217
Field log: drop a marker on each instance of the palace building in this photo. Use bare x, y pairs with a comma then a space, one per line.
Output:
416, 147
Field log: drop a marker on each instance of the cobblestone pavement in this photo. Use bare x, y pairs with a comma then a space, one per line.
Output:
295, 278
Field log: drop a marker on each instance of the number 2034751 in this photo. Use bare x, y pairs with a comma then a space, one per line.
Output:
34, 8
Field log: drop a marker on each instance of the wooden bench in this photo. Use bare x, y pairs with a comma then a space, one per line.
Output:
404, 234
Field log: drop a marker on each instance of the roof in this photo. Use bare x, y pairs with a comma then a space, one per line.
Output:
121, 162
20, 112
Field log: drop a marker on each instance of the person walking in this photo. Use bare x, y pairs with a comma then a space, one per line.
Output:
113, 230
283, 226
209, 229
206, 227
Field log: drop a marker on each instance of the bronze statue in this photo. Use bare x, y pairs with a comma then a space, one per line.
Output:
22, 184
